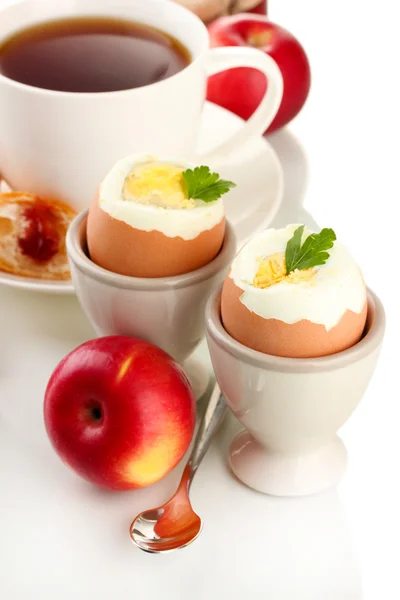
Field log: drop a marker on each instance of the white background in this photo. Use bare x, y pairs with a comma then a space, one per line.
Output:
341, 545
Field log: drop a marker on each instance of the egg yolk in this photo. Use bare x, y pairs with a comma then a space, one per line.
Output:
272, 270
160, 184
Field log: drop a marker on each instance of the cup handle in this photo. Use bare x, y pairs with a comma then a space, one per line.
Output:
220, 59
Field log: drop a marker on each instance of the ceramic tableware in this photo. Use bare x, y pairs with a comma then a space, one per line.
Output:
291, 408
61, 144
166, 311
261, 186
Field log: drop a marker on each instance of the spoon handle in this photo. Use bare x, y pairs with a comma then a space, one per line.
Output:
213, 417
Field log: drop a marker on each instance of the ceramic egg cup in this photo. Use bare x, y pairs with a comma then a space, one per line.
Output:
166, 311
291, 408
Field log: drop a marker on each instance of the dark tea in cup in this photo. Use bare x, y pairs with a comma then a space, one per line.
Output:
91, 54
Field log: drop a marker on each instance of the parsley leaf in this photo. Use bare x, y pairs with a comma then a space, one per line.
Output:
313, 251
203, 185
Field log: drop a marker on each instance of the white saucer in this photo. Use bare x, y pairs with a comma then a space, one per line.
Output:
252, 205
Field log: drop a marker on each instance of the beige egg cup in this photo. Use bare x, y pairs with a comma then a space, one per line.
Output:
291, 408
166, 311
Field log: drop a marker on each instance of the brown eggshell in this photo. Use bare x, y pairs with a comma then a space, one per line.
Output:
120, 248
303, 339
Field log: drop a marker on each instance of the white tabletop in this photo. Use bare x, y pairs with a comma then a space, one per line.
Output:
340, 545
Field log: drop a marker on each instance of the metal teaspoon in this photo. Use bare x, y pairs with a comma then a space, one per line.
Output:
175, 524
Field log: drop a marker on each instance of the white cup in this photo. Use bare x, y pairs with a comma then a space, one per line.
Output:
61, 144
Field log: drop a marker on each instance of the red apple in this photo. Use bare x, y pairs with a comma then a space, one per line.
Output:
240, 90
120, 412
260, 9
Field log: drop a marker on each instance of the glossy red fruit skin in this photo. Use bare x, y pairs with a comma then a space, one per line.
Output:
260, 9
240, 90
142, 395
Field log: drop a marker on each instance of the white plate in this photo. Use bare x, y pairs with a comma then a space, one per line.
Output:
252, 205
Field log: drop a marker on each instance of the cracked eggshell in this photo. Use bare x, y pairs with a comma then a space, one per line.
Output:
143, 239
118, 247
303, 339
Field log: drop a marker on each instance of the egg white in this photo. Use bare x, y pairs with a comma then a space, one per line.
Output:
186, 223
337, 286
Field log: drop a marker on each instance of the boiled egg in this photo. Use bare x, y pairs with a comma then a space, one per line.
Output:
307, 313
141, 222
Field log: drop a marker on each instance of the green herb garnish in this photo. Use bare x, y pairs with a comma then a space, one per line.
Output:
312, 252
203, 185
